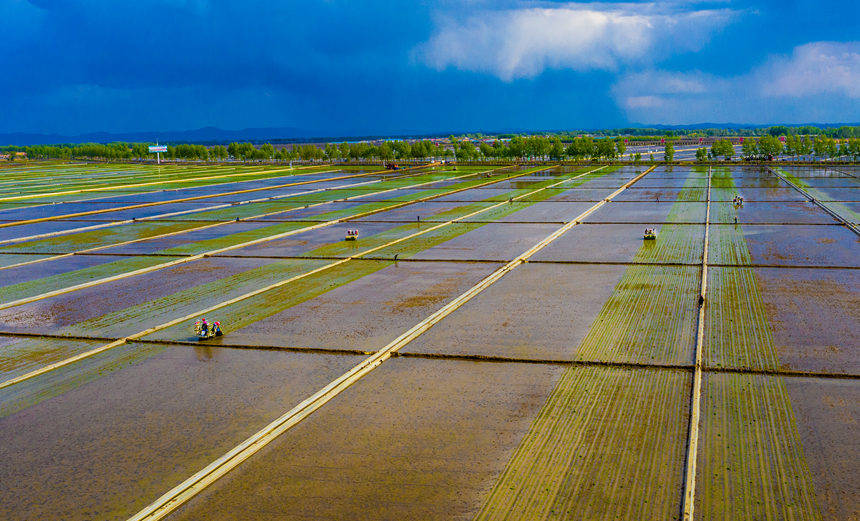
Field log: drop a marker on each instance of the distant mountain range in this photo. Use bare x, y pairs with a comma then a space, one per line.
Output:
214, 135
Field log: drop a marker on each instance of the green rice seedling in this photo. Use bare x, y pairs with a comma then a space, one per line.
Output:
608, 444
752, 464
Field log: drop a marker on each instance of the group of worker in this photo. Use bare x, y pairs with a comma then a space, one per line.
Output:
206, 330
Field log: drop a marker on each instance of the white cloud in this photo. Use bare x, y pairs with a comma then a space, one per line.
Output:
522, 43
818, 81
815, 68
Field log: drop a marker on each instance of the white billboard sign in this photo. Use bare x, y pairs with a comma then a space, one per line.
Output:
158, 148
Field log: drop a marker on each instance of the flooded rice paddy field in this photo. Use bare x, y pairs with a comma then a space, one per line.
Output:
497, 343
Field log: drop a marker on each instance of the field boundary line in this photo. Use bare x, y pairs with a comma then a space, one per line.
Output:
214, 224
816, 202
689, 497
94, 200
183, 492
254, 218
245, 296
126, 175
845, 172
197, 256
135, 185
159, 217
174, 201
787, 373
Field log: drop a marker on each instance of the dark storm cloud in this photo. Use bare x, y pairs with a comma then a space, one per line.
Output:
356, 67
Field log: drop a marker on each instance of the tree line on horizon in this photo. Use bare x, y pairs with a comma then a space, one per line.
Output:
768, 147
517, 147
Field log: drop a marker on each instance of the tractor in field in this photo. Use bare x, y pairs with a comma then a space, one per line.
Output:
205, 330
351, 235
649, 234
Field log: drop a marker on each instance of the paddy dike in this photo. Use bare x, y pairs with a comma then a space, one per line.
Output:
560, 391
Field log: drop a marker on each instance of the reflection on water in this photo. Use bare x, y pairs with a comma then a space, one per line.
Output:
203, 352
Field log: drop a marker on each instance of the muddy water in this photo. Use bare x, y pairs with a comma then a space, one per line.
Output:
837, 194
20, 355
28, 230
613, 243
539, 311
180, 239
396, 445
377, 193
427, 211
293, 192
818, 172
67, 312
608, 444
773, 213
383, 195
520, 182
106, 449
814, 316
576, 194
35, 272
650, 212
308, 243
832, 182
791, 245
40, 210
492, 241
279, 210
366, 313
782, 193
649, 194
101, 237
475, 194
678, 181
15, 258
556, 212
154, 211
827, 412
605, 182
168, 195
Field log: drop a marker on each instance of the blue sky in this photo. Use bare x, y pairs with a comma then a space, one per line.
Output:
359, 67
